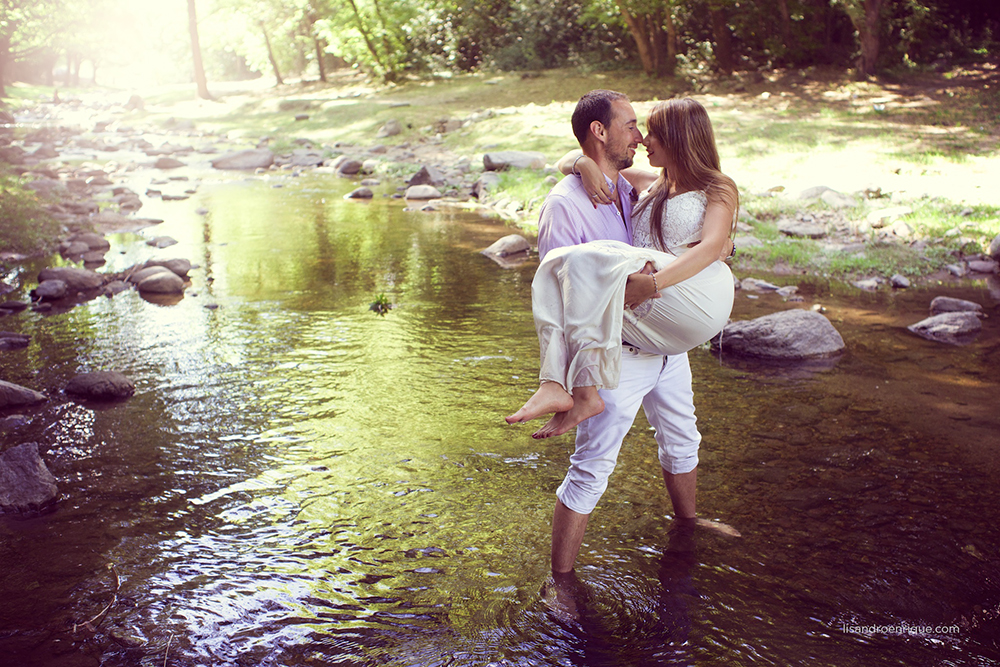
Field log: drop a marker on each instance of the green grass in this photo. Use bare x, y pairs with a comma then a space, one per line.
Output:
27, 229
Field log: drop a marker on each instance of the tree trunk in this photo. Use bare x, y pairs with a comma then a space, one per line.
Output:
319, 59
4, 58
199, 68
723, 41
637, 29
270, 56
368, 41
869, 38
786, 22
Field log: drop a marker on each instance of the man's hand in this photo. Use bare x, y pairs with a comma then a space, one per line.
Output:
639, 287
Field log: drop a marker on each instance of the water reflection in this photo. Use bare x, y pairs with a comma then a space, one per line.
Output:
300, 482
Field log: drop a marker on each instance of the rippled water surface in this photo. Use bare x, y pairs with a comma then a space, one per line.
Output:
298, 481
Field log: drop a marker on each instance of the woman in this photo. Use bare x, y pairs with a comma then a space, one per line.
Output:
685, 295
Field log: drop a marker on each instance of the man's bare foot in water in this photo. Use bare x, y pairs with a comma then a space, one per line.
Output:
586, 403
550, 397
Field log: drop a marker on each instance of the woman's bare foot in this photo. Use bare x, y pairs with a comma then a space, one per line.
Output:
550, 397
586, 403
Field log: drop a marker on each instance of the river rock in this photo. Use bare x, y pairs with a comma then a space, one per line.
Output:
14, 395
947, 304
46, 151
306, 157
77, 280
114, 287
13, 341
93, 241
788, 335
427, 175
350, 167
799, 229
391, 128
899, 281
13, 306
994, 249
168, 163
50, 290
757, 285
164, 282
422, 192
101, 386
138, 275
26, 485
815, 192
882, 217
508, 245
47, 187
982, 265
74, 248
836, 200
501, 160
161, 242
178, 266
254, 158
954, 328
360, 193
484, 184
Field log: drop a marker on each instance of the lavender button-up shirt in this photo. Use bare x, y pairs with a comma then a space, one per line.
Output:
568, 217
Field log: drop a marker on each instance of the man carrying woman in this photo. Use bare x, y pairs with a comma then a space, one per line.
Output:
632, 372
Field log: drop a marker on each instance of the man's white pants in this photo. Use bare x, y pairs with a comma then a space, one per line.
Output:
662, 385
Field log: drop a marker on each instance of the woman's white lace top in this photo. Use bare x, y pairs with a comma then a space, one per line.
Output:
683, 218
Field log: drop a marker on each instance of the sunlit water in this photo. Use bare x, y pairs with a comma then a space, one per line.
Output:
298, 481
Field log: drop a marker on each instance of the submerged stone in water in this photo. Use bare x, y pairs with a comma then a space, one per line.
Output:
954, 328
101, 386
26, 485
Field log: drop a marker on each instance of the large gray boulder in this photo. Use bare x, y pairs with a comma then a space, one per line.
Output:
14, 395
26, 485
501, 160
101, 386
77, 280
254, 158
788, 335
954, 328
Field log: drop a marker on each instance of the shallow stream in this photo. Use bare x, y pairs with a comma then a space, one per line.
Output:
299, 481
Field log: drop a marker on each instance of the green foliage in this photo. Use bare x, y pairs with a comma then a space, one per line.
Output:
381, 305
25, 227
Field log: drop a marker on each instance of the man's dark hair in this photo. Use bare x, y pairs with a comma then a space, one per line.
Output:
595, 105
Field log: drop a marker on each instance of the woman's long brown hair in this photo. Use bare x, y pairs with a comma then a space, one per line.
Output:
685, 134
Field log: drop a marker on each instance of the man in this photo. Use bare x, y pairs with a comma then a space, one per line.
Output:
606, 127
